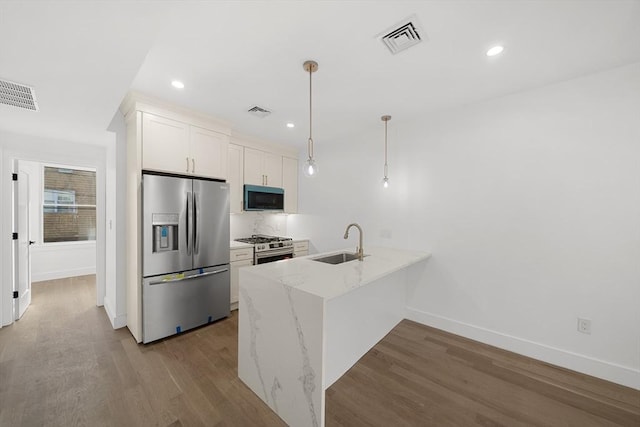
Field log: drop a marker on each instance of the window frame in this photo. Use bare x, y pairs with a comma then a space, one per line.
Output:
76, 206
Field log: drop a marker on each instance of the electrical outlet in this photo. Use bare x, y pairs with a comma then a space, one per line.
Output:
584, 326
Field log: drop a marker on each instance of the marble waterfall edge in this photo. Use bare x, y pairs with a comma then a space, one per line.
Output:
303, 323
280, 347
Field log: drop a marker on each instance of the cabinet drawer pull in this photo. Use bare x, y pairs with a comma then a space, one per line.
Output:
187, 164
193, 165
241, 256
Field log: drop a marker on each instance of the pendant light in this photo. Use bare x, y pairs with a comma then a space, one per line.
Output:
310, 167
385, 180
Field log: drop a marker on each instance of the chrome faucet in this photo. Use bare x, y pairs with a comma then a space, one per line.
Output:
359, 248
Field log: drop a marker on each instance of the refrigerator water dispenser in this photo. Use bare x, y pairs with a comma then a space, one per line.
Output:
165, 232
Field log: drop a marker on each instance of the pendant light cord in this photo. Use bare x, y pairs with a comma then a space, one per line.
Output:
385, 149
310, 142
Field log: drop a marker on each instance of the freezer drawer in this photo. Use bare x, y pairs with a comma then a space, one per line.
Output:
176, 303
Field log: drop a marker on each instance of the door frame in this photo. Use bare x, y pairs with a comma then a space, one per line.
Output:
82, 155
18, 227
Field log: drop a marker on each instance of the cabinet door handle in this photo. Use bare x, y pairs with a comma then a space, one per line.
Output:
193, 165
266, 180
187, 164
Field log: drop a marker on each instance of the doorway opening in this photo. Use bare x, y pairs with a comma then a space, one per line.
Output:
55, 213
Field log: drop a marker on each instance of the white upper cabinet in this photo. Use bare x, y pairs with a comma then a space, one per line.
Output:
253, 169
272, 170
173, 146
234, 177
290, 184
262, 168
208, 152
165, 144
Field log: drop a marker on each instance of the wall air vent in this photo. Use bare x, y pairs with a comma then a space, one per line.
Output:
403, 35
18, 95
259, 111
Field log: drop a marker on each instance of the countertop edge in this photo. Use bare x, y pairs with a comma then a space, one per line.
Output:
342, 273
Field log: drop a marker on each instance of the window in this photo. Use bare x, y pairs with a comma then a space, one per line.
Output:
68, 205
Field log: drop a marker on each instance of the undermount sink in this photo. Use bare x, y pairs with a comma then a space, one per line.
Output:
337, 258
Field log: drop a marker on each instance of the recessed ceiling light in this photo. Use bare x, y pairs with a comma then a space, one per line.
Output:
177, 84
496, 50
290, 125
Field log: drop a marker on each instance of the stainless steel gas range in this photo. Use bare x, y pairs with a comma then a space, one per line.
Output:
269, 248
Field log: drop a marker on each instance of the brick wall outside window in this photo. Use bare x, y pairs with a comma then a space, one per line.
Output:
69, 209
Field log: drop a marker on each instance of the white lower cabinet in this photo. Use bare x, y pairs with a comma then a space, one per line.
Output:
240, 257
300, 248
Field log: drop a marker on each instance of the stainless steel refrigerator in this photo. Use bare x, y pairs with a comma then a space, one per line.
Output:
185, 263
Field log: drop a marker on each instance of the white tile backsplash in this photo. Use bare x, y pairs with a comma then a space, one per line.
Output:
248, 223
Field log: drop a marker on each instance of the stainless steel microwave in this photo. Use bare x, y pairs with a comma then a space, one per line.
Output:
260, 198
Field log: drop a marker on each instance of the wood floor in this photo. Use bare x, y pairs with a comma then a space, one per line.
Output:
63, 365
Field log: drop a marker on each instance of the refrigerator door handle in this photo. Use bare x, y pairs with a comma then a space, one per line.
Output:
196, 217
189, 231
193, 276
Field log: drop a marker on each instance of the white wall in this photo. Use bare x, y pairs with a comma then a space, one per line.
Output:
38, 149
60, 260
530, 205
115, 302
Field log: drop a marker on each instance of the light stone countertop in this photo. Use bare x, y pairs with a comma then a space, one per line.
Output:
239, 245
330, 281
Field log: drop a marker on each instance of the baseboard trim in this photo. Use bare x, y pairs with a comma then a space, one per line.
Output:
618, 374
117, 322
62, 274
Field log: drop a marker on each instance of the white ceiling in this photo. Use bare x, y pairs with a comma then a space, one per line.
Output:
83, 57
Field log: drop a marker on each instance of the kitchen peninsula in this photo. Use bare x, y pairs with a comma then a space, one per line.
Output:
304, 323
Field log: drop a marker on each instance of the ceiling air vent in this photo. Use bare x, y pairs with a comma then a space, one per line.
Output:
259, 111
18, 95
403, 35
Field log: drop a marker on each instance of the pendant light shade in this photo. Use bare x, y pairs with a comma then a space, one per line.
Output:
310, 168
385, 180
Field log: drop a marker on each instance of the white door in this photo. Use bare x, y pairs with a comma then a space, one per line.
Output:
23, 255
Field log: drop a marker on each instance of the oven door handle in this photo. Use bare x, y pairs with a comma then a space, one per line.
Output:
275, 252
